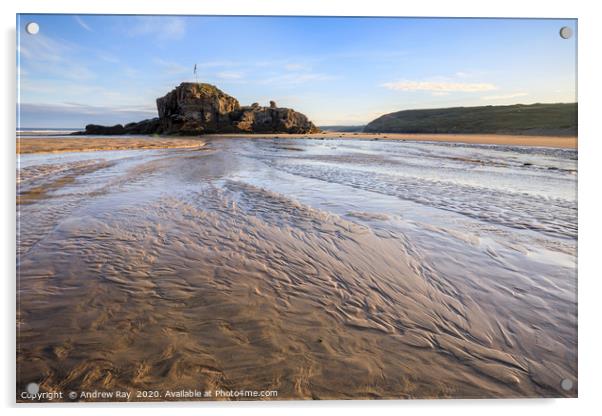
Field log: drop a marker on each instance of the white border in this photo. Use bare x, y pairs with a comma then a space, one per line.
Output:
590, 157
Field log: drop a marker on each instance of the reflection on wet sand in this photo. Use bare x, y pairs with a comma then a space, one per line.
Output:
328, 270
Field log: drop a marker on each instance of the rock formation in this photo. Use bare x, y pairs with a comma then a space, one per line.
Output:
195, 108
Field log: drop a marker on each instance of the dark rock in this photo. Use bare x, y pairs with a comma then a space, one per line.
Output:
150, 126
195, 108
270, 120
97, 129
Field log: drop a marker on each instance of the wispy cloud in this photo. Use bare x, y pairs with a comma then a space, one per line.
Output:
95, 109
296, 78
130, 72
505, 96
42, 48
230, 75
107, 57
83, 24
160, 27
70, 91
439, 86
295, 67
217, 64
352, 118
172, 68
55, 58
64, 114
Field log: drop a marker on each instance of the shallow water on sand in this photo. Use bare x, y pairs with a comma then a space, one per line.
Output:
320, 269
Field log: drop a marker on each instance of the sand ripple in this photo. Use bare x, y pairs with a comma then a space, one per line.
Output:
139, 283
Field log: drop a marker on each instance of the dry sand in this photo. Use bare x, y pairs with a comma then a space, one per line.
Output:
88, 144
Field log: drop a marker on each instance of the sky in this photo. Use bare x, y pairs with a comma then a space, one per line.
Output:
109, 69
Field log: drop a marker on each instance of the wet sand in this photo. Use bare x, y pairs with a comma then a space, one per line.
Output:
319, 269
87, 144
80, 144
499, 139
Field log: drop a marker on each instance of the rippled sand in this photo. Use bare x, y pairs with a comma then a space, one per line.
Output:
320, 270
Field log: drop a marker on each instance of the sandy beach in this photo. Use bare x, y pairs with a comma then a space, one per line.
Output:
564, 142
84, 144
87, 144
318, 269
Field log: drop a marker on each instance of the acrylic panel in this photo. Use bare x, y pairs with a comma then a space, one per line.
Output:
295, 208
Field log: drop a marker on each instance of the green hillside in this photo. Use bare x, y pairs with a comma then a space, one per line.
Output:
534, 119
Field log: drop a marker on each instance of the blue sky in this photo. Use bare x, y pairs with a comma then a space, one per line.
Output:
81, 69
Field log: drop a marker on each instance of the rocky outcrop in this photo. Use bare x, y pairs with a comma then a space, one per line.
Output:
149, 126
256, 119
196, 108
98, 129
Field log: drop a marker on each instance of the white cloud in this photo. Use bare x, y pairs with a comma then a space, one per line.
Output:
95, 109
53, 57
295, 67
42, 48
83, 24
77, 115
351, 119
214, 64
107, 57
172, 68
505, 96
130, 72
41, 91
296, 78
229, 75
161, 27
439, 86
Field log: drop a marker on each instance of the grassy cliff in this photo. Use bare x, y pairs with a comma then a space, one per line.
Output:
533, 119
